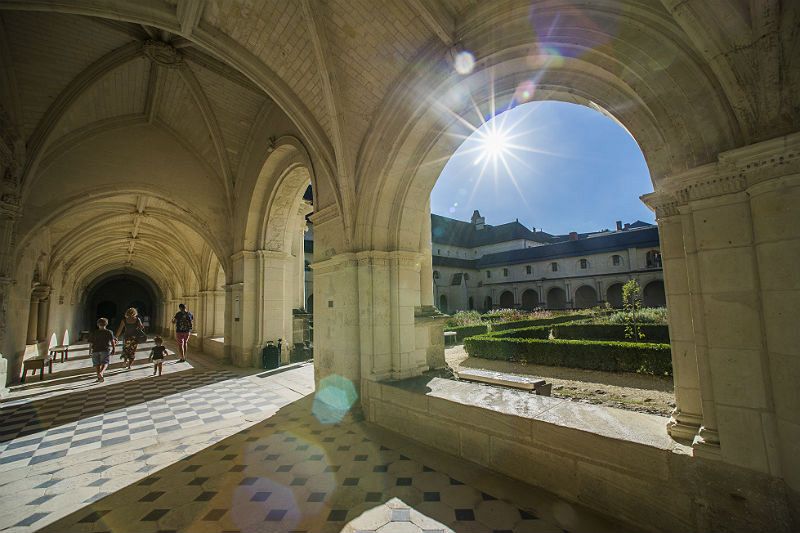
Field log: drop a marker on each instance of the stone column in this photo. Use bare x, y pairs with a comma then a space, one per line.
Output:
276, 271
341, 329
242, 308
33, 321
687, 417
773, 178
426, 266
43, 319
739, 219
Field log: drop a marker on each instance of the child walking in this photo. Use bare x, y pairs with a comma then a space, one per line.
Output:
157, 354
101, 345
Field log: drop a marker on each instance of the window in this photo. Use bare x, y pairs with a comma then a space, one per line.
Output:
435, 274
505, 272
528, 270
466, 276
616, 260
653, 259
488, 274
554, 267
584, 264
438, 251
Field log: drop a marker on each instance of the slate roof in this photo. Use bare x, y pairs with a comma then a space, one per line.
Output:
464, 234
455, 262
618, 240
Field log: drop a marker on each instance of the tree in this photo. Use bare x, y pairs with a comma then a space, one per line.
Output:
632, 302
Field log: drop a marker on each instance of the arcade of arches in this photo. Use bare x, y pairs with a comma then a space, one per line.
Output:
167, 146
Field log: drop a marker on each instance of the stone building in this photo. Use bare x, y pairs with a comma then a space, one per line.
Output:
480, 266
169, 143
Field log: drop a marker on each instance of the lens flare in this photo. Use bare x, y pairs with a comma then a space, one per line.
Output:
464, 63
334, 398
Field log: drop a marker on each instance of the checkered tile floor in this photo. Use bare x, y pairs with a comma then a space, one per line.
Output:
292, 473
41, 431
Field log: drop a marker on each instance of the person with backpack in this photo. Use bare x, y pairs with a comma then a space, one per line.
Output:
184, 323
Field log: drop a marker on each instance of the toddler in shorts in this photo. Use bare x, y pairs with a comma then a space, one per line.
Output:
157, 355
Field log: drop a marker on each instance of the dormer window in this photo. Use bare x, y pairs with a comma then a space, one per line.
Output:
653, 259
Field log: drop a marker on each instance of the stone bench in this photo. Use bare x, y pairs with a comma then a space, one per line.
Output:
35, 364
450, 336
539, 386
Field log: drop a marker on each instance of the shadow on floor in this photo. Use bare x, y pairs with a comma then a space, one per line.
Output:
293, 473
22, 416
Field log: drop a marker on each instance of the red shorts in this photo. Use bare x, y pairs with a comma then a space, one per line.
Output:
183, 336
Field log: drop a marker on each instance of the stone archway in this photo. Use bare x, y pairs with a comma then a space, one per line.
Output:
585, 297
653, 294
556, 298
614, 295
507, 300
530, 299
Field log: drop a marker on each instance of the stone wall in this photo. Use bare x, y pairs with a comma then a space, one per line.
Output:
614, 461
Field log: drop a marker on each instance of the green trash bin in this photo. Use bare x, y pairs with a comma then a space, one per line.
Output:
271, 355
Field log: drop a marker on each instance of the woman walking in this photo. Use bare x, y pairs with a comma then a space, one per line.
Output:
134, 331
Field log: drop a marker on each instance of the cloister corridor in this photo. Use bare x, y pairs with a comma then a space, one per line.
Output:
158, 152
210, 447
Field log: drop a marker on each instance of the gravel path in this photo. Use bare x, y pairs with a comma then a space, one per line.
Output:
624, 390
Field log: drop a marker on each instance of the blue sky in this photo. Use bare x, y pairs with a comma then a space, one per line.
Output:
584, 173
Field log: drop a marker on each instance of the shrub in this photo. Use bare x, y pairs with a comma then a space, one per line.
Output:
533, 332
646, 315
539, 322
609, 332
504, 315
464, 318
462, 332
610, 356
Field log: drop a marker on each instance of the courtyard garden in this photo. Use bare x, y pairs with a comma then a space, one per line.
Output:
619, 358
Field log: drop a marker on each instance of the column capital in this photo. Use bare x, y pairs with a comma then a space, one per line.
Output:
734, 171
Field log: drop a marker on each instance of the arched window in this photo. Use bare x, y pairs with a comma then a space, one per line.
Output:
653, 259
443, 303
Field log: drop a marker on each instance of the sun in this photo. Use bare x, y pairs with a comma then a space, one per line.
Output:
494, 143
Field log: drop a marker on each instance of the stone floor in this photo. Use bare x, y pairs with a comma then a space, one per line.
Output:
208, 448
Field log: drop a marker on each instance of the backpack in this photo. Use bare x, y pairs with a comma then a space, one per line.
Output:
183, 321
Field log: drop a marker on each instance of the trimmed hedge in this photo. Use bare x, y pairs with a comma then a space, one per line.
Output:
610, 356
462, 332
539, 322
610, 332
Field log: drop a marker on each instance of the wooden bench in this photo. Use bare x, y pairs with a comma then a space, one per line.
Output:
538, 386
56, 350
35, 364
450, 335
